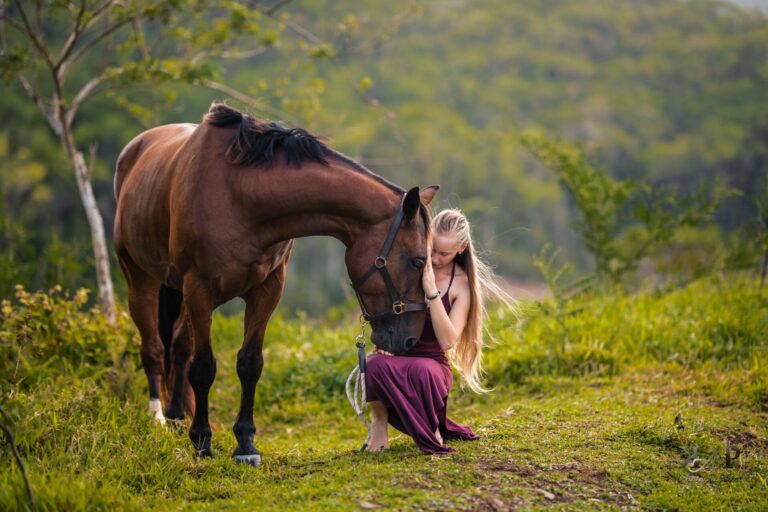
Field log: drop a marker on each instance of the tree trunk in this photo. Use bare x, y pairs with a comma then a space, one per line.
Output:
100, 252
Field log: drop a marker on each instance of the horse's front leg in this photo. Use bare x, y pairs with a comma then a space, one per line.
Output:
198, 307
260, 303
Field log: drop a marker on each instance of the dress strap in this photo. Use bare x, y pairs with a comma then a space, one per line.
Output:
453, 273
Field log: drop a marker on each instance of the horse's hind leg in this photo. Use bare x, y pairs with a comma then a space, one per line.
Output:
143, 303
182, 400
198, 308
260, 303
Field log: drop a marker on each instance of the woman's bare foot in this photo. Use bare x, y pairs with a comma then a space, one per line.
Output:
379, 435
438, 436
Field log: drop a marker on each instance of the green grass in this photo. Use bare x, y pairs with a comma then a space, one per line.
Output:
584, 424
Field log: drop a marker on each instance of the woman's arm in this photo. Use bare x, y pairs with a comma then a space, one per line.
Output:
448, 327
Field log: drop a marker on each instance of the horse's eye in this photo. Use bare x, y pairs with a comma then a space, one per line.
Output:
418, 263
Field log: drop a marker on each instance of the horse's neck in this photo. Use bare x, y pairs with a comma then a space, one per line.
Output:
332, 201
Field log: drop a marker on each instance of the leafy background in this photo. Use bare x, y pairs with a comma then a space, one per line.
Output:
667, 92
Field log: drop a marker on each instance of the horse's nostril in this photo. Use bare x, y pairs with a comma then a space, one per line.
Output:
409, 343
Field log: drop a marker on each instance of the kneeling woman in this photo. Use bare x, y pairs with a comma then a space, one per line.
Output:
411, 391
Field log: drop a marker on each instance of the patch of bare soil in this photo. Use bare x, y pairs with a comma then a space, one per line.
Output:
558, 483
747, 441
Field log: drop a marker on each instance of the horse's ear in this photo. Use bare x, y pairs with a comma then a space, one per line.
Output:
428, 194
411, 203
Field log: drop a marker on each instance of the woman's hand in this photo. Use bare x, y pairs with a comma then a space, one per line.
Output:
428, 279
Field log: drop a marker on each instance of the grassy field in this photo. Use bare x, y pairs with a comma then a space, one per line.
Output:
650, 401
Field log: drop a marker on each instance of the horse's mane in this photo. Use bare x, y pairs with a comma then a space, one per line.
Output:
255, 142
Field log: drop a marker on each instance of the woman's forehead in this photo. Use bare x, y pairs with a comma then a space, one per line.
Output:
444, 243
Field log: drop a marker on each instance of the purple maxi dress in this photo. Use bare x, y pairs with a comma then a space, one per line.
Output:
414, 387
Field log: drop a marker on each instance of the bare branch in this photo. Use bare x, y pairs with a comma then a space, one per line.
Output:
31, 33
81, 95
233, 55
98, 12
13, 23
248, 100
97, 39
295, 27
301, 31
73, 37
39, 103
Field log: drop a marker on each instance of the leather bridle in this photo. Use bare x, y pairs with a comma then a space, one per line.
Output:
399, 302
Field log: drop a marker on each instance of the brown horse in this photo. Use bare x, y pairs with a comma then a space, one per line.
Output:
208, 212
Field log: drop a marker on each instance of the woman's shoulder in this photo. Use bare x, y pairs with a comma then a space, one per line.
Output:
460, 282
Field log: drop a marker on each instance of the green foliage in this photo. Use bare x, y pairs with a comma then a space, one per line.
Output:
592, 427
619, 220
597, 197
50, 336
562, 294
425, 93
716, 320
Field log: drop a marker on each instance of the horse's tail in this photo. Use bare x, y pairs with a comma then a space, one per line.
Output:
169, 309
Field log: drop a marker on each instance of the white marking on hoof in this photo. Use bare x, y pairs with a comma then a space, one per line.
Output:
156, 410
253, 460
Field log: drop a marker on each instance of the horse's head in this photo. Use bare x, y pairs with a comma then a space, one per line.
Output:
386, 264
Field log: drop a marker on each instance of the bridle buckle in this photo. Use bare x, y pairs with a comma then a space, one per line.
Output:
398, 308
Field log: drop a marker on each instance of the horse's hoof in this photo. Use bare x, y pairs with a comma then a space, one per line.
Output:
252, 459
205, 453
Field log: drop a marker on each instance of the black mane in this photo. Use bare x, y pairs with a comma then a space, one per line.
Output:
255, 142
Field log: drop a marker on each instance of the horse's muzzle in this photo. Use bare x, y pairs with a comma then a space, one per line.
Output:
391, 342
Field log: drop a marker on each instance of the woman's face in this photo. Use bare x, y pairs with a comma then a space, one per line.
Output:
444, 249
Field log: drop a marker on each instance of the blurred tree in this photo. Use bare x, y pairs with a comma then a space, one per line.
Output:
49, 49
620, 221
665, 93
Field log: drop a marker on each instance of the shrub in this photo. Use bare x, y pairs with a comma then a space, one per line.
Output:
45, 335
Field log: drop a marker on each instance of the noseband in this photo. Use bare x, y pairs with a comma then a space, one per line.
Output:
399, 302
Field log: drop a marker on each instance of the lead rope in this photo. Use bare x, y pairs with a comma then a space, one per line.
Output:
356, 396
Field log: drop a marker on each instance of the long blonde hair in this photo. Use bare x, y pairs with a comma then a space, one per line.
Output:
466, 355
